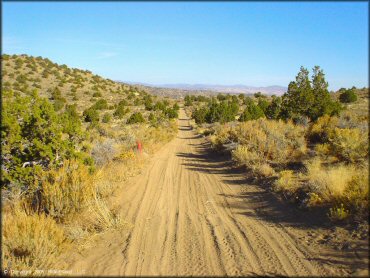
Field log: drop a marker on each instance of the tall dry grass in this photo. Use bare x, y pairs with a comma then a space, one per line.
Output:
342, 185
333, 150
263, 143
31, 242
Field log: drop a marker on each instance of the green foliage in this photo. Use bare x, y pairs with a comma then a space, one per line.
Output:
97, 94
121, 110
136, 117
199, 115
347, 96
251, 112
224, 111
247, 100
338, 213
101, 104
263, 104
31, 138
258, 95
176, 107
137, 102
273, 109
312, 101
58, 104
107, 118
221, 97
160, 105
188, 101
148, 103
59, 101
91, 115
201, 98
72, 123
171, 113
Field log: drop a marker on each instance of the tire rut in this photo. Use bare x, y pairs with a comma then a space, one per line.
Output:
184, 223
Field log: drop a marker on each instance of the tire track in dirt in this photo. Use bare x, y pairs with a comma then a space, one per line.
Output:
186, 222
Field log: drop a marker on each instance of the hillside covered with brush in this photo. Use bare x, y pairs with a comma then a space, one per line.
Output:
69, 139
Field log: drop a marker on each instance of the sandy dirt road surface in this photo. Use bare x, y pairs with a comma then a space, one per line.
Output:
193, 215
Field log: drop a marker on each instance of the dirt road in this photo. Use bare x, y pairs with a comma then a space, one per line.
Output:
192, 215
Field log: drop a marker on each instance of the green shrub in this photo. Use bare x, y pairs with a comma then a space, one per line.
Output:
273, 109
58, 104
263, 104
72, 124
251, 112
148, 103
188, 101
91, 115
199, 115
171, 113
120, 112
222, 112
348, 96
31, 138
136, 117
107, 118
97, 94
101, 104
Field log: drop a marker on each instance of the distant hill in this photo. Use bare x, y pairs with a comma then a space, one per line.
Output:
229, 89
22, 73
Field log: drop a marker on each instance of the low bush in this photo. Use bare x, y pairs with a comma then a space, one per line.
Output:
135, 118
338, 185
270, 141
100, 104
349, 144
31, 242
104, 152
97, 94
251, 112
91, 115
120, 111
286, 183
107, 118
66, 190
347, 96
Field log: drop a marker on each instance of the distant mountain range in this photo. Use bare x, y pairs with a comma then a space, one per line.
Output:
230, 89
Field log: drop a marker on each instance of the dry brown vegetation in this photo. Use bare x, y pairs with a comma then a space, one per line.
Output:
320, 164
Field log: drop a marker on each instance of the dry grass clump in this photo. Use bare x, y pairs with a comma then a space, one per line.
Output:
153, 137
342, 142
66, 190
323, 129
69, 208
262, 143
328, 183
345, 138
287, 182
101, 217
349, 144
31, 242
339, 185
272, 141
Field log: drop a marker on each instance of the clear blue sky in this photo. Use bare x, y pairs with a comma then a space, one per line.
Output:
257, 44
